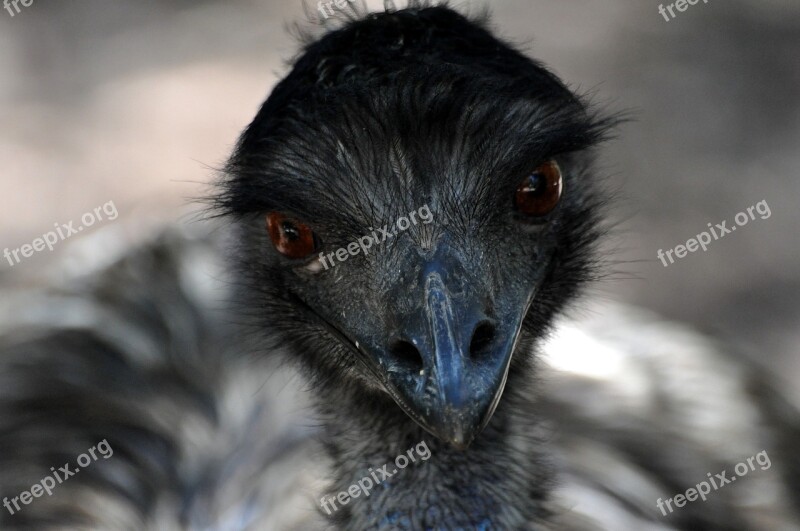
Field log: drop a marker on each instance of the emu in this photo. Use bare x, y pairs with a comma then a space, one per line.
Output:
421, 337
437, 336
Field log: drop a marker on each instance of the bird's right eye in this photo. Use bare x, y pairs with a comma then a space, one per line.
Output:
292, 238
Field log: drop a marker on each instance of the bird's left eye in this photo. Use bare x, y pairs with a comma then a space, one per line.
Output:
291, 238
539, 193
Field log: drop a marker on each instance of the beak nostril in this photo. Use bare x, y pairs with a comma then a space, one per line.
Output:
407, 356
482, 339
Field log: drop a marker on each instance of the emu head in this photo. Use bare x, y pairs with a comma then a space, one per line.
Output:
454, 173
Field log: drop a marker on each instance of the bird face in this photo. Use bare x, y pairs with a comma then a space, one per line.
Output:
433, 311
429, 314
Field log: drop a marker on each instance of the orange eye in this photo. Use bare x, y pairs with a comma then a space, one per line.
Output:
290, 237
539, 193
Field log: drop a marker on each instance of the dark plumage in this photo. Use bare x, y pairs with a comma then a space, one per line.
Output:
390, 112
402, 109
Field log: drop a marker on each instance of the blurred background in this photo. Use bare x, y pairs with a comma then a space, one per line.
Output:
137, 102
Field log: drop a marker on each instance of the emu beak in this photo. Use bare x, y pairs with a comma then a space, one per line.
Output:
444, 348
449, 364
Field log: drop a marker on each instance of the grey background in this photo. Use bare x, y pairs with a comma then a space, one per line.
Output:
137, 102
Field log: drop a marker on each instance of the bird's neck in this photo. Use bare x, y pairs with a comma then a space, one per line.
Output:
391, 474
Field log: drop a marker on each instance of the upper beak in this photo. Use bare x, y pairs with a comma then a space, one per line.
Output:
448, 363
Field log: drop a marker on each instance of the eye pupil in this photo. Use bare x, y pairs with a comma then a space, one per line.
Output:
539, 193
536, 184
290, 231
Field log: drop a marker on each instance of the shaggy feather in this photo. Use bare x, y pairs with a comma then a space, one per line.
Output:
401, 109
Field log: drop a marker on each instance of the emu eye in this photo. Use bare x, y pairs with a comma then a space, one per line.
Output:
290, 237
539, 192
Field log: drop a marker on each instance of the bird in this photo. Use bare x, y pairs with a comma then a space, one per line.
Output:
401, 242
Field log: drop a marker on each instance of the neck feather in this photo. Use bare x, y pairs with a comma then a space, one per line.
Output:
500, 482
